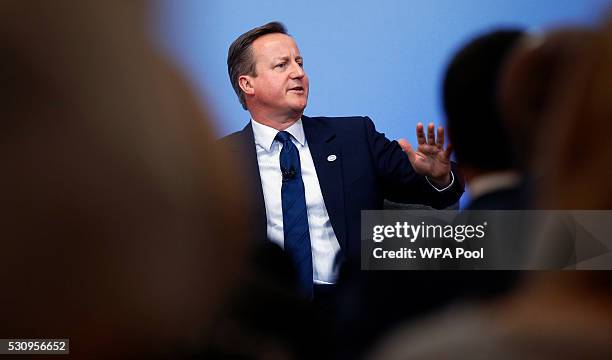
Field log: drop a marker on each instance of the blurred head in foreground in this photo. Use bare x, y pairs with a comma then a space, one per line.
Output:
485, 152
116, 218
569, 74
470, 92
574, 153
537, 69
573, 145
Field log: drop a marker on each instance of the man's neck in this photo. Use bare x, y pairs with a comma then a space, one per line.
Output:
279, 123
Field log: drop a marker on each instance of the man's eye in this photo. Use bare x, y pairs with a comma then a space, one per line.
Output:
301, 64
280, 66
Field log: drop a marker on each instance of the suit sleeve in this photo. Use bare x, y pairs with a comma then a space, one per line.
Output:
398, 180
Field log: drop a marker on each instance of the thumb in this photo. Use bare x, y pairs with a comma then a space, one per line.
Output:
405, 145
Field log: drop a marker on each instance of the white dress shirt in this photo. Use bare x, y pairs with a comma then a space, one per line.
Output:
323, 241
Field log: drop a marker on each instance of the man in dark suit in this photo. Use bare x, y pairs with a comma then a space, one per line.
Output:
332, 168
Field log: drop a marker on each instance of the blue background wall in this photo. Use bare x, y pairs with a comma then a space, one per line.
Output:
380, 58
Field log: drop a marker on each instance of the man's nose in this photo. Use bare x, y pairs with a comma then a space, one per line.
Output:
297, 72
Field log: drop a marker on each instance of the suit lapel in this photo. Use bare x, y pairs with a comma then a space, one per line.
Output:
327, 157
244, 150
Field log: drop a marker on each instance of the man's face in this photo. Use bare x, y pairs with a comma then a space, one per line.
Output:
281, 85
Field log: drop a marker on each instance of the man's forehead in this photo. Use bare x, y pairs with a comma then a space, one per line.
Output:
276, 43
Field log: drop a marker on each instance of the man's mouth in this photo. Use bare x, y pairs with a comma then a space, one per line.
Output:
297, 89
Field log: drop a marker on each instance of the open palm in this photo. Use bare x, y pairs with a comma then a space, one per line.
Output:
430, 158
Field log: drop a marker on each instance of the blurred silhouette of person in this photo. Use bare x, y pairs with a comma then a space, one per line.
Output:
527, 94
552, 315
123, 226
495, 180
538, 64
470, 98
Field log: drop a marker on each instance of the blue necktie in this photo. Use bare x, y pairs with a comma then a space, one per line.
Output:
295, 217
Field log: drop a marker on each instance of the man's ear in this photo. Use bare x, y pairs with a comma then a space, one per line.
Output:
246, 84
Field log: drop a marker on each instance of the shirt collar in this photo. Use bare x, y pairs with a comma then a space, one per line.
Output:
491, 182
264, 135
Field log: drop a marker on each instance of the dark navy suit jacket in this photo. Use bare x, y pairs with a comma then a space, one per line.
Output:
368, 169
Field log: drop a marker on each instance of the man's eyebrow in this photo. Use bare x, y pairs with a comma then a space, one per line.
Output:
285, 58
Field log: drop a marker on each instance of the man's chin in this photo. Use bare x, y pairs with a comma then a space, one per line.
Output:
299, 108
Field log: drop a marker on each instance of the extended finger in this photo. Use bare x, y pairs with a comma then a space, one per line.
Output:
440, 139
420, 134
431, 138
448, 151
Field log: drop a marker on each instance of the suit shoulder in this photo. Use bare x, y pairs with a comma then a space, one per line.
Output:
341, 121
338, 118
230, 140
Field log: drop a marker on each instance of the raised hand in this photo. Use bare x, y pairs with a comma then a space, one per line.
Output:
430, 158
